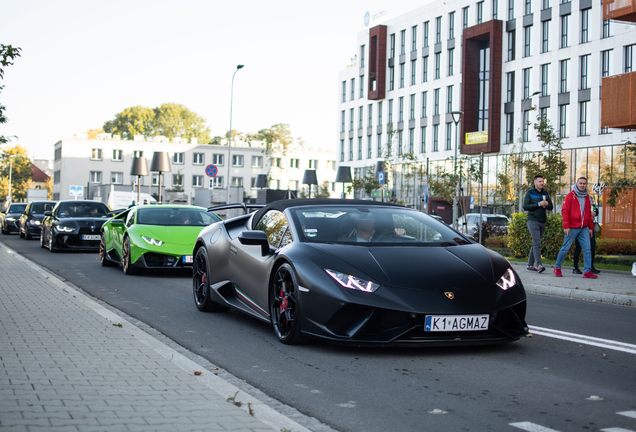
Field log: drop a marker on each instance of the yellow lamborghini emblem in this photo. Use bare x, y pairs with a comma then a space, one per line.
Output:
449, 294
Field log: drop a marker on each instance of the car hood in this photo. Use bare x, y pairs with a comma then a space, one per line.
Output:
176, 235
421, 268
85, 222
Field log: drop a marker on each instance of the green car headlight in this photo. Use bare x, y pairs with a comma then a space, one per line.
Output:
152, 241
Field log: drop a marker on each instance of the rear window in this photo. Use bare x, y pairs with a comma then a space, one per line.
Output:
16, 208
498, 220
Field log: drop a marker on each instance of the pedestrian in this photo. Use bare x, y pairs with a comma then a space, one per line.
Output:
577, 224
536, 203
577, 248
132, 204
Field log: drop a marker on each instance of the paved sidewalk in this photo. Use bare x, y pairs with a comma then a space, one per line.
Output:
70, 364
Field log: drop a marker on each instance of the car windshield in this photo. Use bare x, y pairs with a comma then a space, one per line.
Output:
40, 208
16, 208
82, 209
498, 220
372, 225
176, 216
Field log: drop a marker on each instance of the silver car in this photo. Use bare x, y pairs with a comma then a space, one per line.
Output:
468, 222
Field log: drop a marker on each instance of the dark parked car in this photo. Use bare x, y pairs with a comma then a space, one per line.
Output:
359, 272
11, 218
30, 223
74, 225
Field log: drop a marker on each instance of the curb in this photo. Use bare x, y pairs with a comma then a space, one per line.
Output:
619, 299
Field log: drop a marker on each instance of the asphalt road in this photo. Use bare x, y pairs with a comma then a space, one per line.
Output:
535, 382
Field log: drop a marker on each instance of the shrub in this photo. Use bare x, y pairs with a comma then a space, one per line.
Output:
520, 240
615, 247
488, 230
497, 242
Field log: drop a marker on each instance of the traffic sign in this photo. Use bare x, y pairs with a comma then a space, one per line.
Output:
76, 191
381, 177
211, 170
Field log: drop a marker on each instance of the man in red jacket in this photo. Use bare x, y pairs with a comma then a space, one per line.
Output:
577, 224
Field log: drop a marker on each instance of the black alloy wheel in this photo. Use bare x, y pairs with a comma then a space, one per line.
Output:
285, 306
51, 241
42, 242
27, 234
126, 259
103, 256
201, 285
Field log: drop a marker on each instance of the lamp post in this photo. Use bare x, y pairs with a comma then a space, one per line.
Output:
457, 117
10, 172
309, 178
229, 139
343, 176
523, 102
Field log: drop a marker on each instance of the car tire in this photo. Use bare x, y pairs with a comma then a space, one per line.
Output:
51, 242
5, 232
201, 285
21, 233
126, 262
27, 235
42, 242
103, 256
285, 310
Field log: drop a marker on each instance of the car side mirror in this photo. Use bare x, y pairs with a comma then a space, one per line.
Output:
117, 222
255, 238
48, 213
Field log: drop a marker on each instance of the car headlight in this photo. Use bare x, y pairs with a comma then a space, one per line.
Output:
152, 241
10, 219
34, 222
353, 282
63, 228
508, 280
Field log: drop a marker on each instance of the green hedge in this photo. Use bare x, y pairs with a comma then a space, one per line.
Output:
520, 240
615, 247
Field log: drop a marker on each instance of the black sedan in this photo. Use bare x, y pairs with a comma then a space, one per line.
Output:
74, 225
359, 272
10, 220
30, 223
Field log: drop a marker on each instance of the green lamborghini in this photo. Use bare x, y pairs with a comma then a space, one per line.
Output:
153, 237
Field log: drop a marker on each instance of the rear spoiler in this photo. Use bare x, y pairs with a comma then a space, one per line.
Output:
247, 208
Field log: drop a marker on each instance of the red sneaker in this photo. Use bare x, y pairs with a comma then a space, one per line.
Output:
590, 275
557, 272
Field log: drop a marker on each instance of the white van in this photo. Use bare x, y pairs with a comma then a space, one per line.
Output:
121, 200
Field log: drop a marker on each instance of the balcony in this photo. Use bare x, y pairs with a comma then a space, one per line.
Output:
621, 10
618, 101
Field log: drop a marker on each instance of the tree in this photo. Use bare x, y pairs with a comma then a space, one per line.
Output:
619, 183
7, 56
136, 120
277, 140
21, 173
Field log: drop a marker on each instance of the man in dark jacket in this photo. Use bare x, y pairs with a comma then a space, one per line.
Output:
577, 224
536, 202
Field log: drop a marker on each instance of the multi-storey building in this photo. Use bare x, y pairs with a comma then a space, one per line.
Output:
496, 61
92, 163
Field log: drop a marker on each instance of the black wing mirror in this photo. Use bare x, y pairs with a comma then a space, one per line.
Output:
255, 238
48, 213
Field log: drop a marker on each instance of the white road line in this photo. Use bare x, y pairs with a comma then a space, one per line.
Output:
631, 414
616, 430
587, 340
531, 427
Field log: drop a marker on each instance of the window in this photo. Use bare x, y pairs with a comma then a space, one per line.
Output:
402, 42
629, 58
436, 102
360, 117
96, 177
510, 87
331, 165
412, 107
423, 139
438, 30
451, 55
483, 86
116, 178
464, 17
563, 121
380, 113
177, 180
361, 87
511, 45
526, 41
495, 8
480, 12
510, 121
342, 150
57, 176
527, 7
438, 61
511, 10
451, 25
257, 161
138, 153
425, 69
294, 163
583, 119
563, 85
605, 63
584, 63
544, 79
585, 25
154, 179
370, 116
198, 158
414, 38
218, 159
401, 75
344, 91
277, 163
197, 181
565, 19
96, 154
435, 138
216, 182
342, 121
413, 70
526, 83
545, 4
411, 140
425, 32
424, 103
526, 125
118, 155
449, 99
359, 148
400, 135
379, 145
545, 36
391, 78
361, 56
607, 32
369, 147
58, 154
392, 46
237, 181
390, 111
177, 158
351, 119
401, 110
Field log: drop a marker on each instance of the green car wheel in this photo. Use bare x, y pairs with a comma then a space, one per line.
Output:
128, 267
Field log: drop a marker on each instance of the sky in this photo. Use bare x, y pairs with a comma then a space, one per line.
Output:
84, 61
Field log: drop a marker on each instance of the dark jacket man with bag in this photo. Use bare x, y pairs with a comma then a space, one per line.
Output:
537, 203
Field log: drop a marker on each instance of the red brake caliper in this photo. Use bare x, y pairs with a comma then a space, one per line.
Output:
283, 303
203, 278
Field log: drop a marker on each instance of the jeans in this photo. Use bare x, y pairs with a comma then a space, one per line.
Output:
583, 236
577, 251
536, 229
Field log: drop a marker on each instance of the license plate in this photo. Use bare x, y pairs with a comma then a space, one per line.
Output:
90, 237
449, 323
187, 258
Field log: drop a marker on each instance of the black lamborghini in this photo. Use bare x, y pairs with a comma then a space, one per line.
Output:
359, 272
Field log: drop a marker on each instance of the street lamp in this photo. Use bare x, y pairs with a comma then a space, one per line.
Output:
523, 102
457, 117
229, 140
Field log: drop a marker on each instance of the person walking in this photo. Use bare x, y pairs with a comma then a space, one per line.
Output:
577, 248
536, 202
577, 224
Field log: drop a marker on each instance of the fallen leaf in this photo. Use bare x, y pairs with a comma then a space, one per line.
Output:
529, 335
197, 373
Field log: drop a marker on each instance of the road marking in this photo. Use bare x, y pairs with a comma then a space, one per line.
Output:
587, 340
531, 427
631, 414
616, 430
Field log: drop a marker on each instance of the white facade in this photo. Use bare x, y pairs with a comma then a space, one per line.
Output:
560, 49
80, 161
